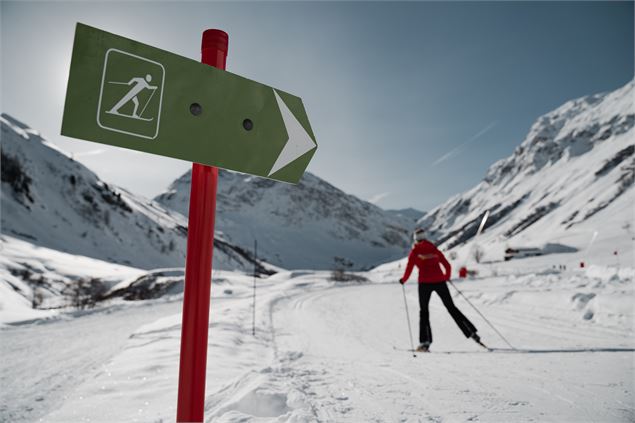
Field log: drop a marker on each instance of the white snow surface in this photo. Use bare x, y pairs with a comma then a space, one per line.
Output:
336, 352
570, 182
25, 267
300, 226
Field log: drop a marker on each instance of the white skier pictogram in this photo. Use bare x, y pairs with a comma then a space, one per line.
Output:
138, 84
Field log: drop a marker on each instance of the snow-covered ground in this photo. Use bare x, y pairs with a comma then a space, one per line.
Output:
44, 362
27, 269
327, 351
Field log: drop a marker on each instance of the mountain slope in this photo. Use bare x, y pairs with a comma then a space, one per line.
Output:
407, 213
299, 226
570, 181
36, 281
50, 200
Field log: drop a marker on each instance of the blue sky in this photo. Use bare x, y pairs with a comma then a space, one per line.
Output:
410, 102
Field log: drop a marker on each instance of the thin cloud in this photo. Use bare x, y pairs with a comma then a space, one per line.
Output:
88, 153
378, 197
458, 149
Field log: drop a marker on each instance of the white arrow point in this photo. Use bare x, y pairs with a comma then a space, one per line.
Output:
299, 141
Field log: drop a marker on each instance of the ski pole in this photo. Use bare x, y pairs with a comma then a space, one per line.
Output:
481, 314
147, 102
412, 345
253, 321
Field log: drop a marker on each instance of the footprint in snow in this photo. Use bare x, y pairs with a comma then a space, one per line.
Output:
515, 403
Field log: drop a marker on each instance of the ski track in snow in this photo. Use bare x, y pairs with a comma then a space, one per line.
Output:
50, 358
334, 360
359, 370
325, 352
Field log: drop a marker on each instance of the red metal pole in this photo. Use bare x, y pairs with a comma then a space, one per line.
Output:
198, 266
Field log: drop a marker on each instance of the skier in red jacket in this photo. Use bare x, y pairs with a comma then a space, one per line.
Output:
429, 260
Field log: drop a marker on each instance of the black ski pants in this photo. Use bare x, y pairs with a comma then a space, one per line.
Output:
441, 288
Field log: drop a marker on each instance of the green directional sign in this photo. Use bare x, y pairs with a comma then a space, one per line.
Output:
131, 95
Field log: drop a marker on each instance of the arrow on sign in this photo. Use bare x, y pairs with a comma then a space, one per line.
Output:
299, 141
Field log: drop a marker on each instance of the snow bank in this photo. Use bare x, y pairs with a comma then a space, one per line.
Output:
26, 269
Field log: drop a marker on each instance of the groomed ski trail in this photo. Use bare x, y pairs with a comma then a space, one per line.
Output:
324, 352
47, 360
346, 337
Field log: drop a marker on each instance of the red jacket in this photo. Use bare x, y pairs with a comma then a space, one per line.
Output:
429, 260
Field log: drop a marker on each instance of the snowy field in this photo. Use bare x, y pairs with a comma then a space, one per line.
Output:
337, 352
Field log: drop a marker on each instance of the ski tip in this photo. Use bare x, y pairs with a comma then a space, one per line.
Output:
484, 346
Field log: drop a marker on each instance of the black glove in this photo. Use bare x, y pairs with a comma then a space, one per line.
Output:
401, 281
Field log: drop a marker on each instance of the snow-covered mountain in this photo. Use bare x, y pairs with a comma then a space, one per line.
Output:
570, 182
36, 281
50, 200
299, 226
408, 213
